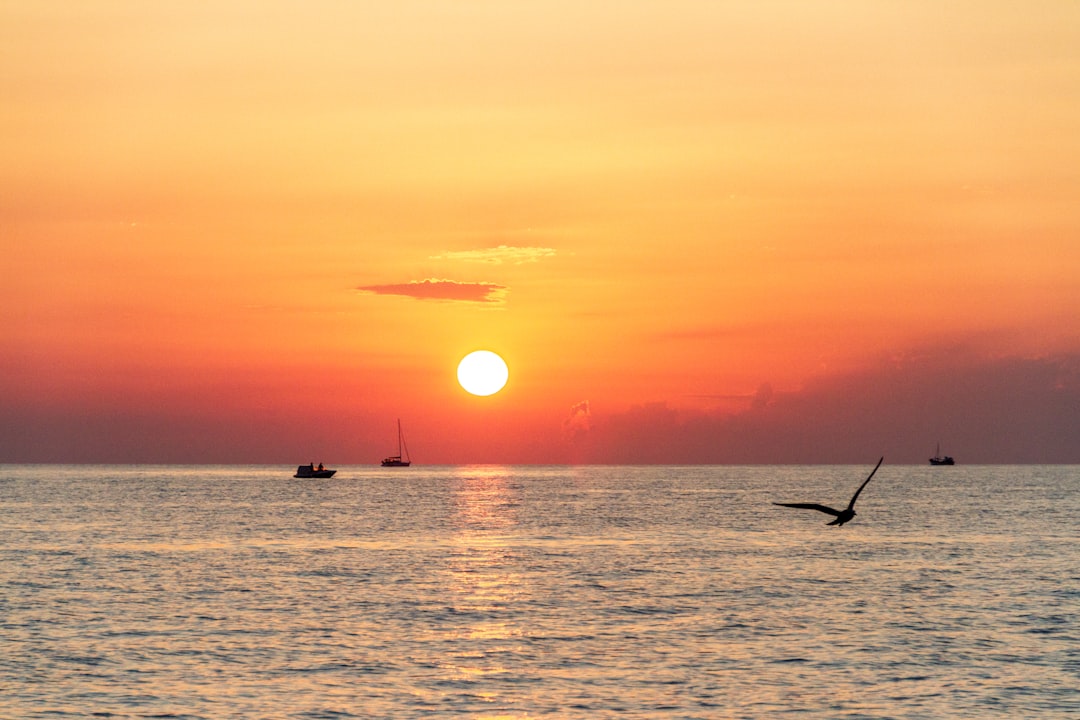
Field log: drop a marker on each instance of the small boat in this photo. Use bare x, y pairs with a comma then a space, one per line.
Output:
396, 460
940, 459
310, 471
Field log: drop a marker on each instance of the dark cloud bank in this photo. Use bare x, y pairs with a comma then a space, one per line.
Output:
1008, 410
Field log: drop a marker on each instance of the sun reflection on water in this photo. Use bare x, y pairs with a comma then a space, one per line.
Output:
485, 582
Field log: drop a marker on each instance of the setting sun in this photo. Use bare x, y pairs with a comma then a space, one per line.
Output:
482, 373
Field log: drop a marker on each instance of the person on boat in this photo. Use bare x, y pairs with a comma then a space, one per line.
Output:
320, 467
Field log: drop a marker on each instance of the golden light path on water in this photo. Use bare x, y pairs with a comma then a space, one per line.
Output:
483, 579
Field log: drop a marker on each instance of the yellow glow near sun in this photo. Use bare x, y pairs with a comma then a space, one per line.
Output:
482, 373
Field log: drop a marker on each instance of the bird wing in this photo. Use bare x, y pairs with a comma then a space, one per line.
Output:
811, 506
854, 497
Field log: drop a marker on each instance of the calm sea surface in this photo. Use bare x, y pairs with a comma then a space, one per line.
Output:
524, 592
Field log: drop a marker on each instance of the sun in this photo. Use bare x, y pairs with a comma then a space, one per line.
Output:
482, 373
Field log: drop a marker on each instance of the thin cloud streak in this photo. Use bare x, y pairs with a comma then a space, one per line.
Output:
444, 290
498, 255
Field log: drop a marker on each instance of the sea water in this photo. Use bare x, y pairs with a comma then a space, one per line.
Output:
526, 592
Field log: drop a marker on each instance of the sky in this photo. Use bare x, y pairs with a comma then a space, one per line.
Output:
697, 231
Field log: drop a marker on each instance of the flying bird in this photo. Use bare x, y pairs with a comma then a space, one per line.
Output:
842, 516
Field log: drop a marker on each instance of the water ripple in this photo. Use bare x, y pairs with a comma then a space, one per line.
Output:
523, 592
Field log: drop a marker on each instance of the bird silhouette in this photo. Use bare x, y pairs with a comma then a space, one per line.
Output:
842, 516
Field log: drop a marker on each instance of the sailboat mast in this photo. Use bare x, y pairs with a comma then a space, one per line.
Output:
401, 441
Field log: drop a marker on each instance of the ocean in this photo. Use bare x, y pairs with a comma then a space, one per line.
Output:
528, 592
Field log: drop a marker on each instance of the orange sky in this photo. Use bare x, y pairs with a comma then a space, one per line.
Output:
262, 231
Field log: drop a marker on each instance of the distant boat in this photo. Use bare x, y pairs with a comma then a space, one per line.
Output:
940, 459
396, 460
310, 471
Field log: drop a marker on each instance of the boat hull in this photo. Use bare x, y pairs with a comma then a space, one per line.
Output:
942, 461
306, 472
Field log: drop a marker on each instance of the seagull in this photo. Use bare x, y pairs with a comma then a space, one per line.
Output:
842, 516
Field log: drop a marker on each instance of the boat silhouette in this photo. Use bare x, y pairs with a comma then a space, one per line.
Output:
398, 460
940, 459
310, 471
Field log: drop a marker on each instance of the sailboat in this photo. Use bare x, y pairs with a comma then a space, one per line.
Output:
940, 459
396, 460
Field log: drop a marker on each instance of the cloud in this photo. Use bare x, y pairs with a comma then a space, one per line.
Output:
435, 289
762, 397
982, 410
499, 255
757, 400
576, 425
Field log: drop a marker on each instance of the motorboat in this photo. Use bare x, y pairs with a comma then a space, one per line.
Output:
312, 471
